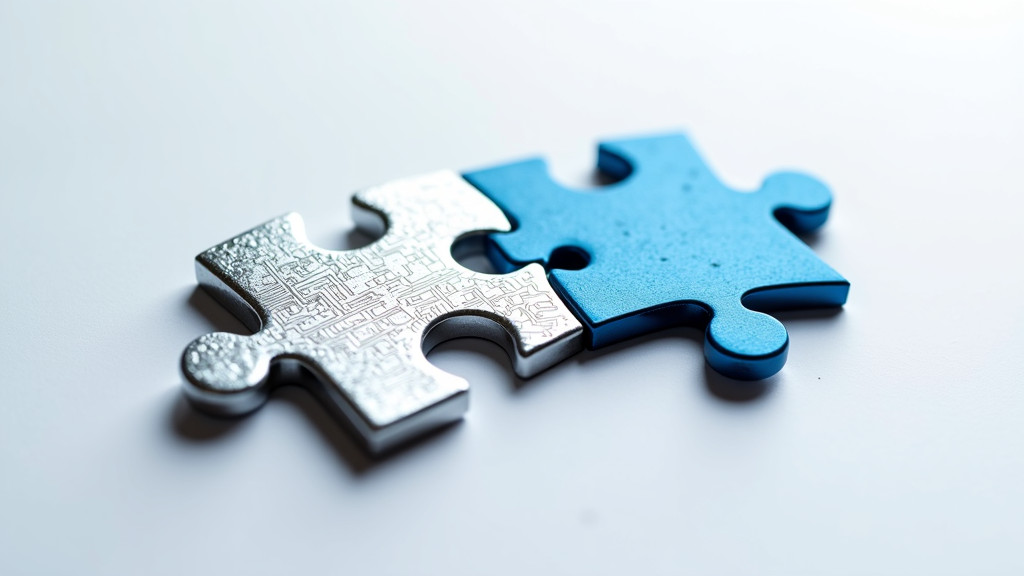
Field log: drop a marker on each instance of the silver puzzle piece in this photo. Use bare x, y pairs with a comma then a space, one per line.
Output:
362, 320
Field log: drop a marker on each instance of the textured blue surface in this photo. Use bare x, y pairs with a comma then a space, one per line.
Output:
668, 245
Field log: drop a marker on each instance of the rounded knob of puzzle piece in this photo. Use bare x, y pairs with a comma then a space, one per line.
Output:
800, 202
226, 373
745, 345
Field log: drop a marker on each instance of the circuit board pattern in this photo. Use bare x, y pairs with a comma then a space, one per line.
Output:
359, 318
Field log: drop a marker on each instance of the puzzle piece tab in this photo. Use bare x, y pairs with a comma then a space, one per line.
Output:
362, 320
668, 244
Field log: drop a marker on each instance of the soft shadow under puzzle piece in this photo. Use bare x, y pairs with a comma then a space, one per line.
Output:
669, 244
363, 319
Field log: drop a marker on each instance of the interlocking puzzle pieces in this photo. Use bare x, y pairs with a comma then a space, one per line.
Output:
668, 244
362, 320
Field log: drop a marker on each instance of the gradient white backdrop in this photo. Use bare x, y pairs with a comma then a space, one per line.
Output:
135, 134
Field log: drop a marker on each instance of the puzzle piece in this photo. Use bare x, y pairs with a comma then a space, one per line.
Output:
362, 320
667, 245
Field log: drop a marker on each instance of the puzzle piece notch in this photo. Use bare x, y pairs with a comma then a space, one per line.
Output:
668, 244
362, 320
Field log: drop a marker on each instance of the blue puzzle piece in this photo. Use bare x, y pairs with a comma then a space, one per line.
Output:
668, 245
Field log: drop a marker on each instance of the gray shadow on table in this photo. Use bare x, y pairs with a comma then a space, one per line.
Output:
720, 387
192, 425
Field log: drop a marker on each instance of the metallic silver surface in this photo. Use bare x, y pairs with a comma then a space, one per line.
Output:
362, 320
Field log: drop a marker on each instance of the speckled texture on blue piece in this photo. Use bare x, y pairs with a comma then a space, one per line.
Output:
668, 244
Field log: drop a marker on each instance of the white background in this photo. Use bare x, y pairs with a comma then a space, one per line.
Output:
133, 135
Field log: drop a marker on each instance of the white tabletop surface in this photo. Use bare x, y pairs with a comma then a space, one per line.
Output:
133, 135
